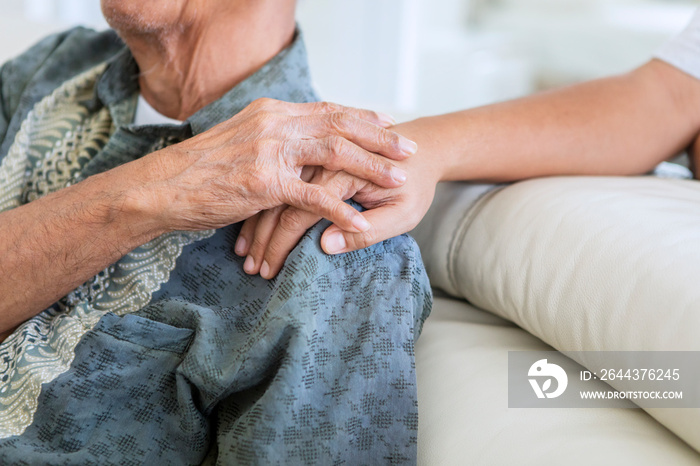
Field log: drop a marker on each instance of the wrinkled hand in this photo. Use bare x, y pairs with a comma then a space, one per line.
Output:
253, 162
269, 237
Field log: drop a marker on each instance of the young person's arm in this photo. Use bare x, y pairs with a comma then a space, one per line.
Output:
622, 125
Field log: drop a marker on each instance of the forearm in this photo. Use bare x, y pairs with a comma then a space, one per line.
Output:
224, 175
614, 126
52, 245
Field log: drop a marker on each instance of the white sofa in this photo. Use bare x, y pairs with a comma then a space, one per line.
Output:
573, 263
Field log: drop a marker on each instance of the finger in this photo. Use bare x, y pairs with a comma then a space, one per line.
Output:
308, 172
263, 231
315, 199
293, 224
366, 135
242, 245
335, 153
387, 221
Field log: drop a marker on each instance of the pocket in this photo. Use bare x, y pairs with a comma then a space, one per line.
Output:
145, 332
122, 401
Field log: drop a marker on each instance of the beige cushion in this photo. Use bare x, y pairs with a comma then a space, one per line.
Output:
584, 263
462, 362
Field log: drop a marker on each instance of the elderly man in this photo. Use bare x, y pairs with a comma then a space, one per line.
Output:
132, 334
145, 339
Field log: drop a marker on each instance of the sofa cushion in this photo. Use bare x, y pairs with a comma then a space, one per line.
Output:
462, 364
584, 263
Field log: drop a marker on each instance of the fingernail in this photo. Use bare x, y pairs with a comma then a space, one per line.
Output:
249, 264
264, 269
386, 119
408, 146
240, 245
335, 242
360, 223
398, 175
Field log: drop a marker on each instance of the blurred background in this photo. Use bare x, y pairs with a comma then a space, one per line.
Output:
419, 57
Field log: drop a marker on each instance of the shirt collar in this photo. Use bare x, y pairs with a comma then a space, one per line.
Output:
285, 77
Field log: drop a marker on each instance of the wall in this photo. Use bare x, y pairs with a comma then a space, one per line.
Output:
416, 57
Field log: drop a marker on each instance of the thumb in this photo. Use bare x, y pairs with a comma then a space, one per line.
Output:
384, 226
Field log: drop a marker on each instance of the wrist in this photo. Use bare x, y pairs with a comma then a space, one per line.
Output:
137, 207
132, 204
435, 162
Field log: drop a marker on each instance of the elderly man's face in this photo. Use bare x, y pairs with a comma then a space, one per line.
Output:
141, 16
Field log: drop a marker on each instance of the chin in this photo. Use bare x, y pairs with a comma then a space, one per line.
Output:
137, 16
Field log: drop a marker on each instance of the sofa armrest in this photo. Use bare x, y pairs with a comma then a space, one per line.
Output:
584, 263
443, 224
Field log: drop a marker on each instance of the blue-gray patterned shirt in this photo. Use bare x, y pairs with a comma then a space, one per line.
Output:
173, 355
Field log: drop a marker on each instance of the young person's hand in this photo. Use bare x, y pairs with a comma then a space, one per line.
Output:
268, 238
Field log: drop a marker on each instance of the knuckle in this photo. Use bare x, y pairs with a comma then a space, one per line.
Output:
257, 246
303, 195
263, 118
262, 103
339, 121
291, 221
276, 253
391, 139
336, 148
265, 146
364, 240
376, 165
328, 107
282, 149
368, 239
257, 182
315, 199
340, 210
338, 185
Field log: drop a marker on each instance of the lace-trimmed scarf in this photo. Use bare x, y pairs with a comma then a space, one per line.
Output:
57, 140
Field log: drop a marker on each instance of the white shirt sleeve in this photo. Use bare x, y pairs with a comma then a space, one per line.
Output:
683, 51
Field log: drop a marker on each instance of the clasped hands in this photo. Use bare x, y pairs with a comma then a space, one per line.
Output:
282, 167
267, 238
